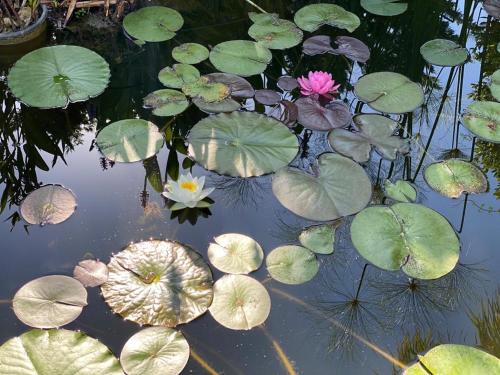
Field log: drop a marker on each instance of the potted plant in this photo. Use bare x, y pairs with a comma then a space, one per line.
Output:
21, 21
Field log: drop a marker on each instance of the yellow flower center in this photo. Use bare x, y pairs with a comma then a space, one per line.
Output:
189, 185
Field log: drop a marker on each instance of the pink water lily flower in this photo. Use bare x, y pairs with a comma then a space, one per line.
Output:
318, 83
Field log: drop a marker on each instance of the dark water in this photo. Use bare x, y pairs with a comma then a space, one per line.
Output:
392, 317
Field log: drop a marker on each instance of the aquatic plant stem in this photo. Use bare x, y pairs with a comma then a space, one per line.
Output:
287, 364
204, 364
255, 6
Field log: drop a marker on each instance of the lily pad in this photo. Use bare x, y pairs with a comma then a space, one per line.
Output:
374, 131
389, 92
153, 24
166, 102
129, 140
240, 57
406, 236
314, 116
56, 351
292, 264
235, 253
240, 302
324, 196
50, 301
452, 177
239, 87
267, 97
352, 48
273, 32
91, 273
287, 83
317, 45
401, 191
444, 52
190, 53
319, 238
160, 283
226, 105
492, 7
495, 85
49, 204
312, 17
209, 92
483, 119
452, 359
52, 77
155, 351
384, 7
178, 75
242, 144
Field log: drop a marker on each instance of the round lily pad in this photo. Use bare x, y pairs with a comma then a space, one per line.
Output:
324, 196
240, 57
49, 204
292, 264
317, 45
452, 359
226, 105
153, 24
452, 177
444, 52
401, 191
240, 302
352, 48
160, 283
91, 273
235, 253
239, 87
190, 53
209, 92
312, 17
155, 351
319, 238
242, 144
287, 83
314, 116
50, 301
267, 97
52, 77
384, 7
56, 351
178, 75
389, 92
273, 32
406, 236
129, 140
483, 119
166, 102
492, 7
495, 85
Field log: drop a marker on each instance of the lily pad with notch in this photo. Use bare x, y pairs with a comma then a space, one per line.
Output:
190, 53
166, 102
314, 116
210, 92
153, 23
238, 87
273, 32
178, 75
317, 45
384, 7
287, 83
400, 191
235, 253
443, 52
91, 272
292, 264
483, 119
319, 238
312, 17
352, 48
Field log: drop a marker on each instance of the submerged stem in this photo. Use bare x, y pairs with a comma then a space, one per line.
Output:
255, 6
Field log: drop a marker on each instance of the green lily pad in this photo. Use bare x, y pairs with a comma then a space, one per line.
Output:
242, 144
319, 238
153, 24
52, 77
240, 57
292, 264
273, 32
166, 102
56, 351
240, 302
130, 140
495, 85
91, 273
444, 52
389, 92
235, 253
190, 53
406, 236
374, 131
324, 196
178, 75
50, 301
401, 191
49, 204
160, 283
452, 359
452, 177
226, 105
312, 17
155, 351
210, 92
384, 7
483, 119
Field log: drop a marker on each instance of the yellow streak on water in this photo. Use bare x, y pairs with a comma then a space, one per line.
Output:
203, 363
287, 364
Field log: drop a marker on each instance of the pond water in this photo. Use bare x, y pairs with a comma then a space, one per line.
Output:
351, 318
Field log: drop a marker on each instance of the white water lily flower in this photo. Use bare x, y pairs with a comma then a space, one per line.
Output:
187, 191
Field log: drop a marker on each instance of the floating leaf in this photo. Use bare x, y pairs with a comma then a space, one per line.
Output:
240, 302
226, 105
52, 77
56, 351
312, 17
287, 113
401, 191
210, 92
389, 92
495, 85
444, 52
158, 283
153, 173
483, 119
49, 204
273, 32
374, 131
130, 140
384, 7
91, 273
242, 144
319, 238
314, 116
178, 75
235, 253
406, 236
317, 45
155, 351
50, 301
190, 53
352, 48
452, 177
324, 196
292, 264
238, 87
153, 24
492, 7
267, 97
166, 102
287, 83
